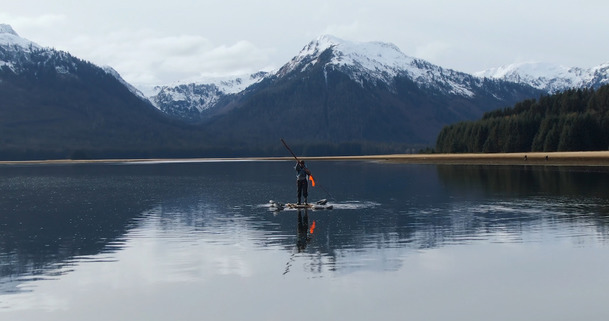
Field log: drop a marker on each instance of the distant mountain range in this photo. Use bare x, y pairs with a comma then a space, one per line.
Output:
335, 91
334, 97
189, 100
550, 78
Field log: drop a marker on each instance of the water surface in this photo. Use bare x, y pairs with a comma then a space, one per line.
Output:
193, 241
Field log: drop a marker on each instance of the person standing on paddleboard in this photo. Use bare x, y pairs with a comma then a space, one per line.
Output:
301, 179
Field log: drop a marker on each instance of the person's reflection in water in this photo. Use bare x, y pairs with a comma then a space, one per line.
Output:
303, 230
303, 237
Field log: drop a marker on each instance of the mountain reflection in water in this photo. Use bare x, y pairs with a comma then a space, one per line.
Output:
55, 218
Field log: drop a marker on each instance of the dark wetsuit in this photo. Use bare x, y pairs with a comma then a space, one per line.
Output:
301, 180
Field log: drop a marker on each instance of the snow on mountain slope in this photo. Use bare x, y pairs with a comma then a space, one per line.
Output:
199, 95
364, 62
600, 75
13, 44
232, 84
9, 39
20, 50
109, 70
377, 61
550, 77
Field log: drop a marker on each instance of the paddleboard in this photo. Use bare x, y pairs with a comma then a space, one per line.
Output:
309, 206
319, 205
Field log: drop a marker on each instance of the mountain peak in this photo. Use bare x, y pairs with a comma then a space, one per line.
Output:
374, 62
9, 38
318, 46
381, 52
7, 29
328, 41
367, 60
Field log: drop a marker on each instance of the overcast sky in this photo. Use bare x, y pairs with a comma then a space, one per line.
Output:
159, 42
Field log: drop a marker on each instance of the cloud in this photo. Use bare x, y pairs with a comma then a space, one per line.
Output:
33, 22
238, 58
348, 31
144, 57
181, 45
191, 38
432, 50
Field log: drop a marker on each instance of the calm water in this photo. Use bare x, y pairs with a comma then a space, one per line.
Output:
198, 241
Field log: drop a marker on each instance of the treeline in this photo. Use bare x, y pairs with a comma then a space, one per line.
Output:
574, 120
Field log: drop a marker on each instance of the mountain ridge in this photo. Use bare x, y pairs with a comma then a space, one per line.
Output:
550, 77
334, 96
9, 38
379, 61
189, 101
331, 95
375, 62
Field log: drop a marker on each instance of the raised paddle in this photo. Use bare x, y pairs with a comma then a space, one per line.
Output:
291, 152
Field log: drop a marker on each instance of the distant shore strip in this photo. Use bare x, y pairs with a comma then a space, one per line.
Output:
599, 158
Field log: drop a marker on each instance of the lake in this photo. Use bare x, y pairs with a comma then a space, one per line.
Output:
199, 241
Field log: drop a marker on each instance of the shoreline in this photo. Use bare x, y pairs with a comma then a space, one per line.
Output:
597, 158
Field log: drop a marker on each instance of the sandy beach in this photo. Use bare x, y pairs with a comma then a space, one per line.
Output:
598, 158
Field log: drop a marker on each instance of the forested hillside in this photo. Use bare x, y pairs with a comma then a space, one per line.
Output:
574, 120
53, 105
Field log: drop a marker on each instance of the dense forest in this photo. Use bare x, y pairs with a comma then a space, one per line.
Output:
574, 120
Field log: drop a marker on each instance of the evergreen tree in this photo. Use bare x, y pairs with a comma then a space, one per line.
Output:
574, 120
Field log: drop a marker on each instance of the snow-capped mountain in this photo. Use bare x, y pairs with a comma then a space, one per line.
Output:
14, 48
337, 91
9, 39
366, 63
374, 63
55, 105
378, 62
18, 52
368, 96
550, 77
188, 100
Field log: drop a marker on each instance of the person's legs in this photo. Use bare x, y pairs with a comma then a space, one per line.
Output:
298, 183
